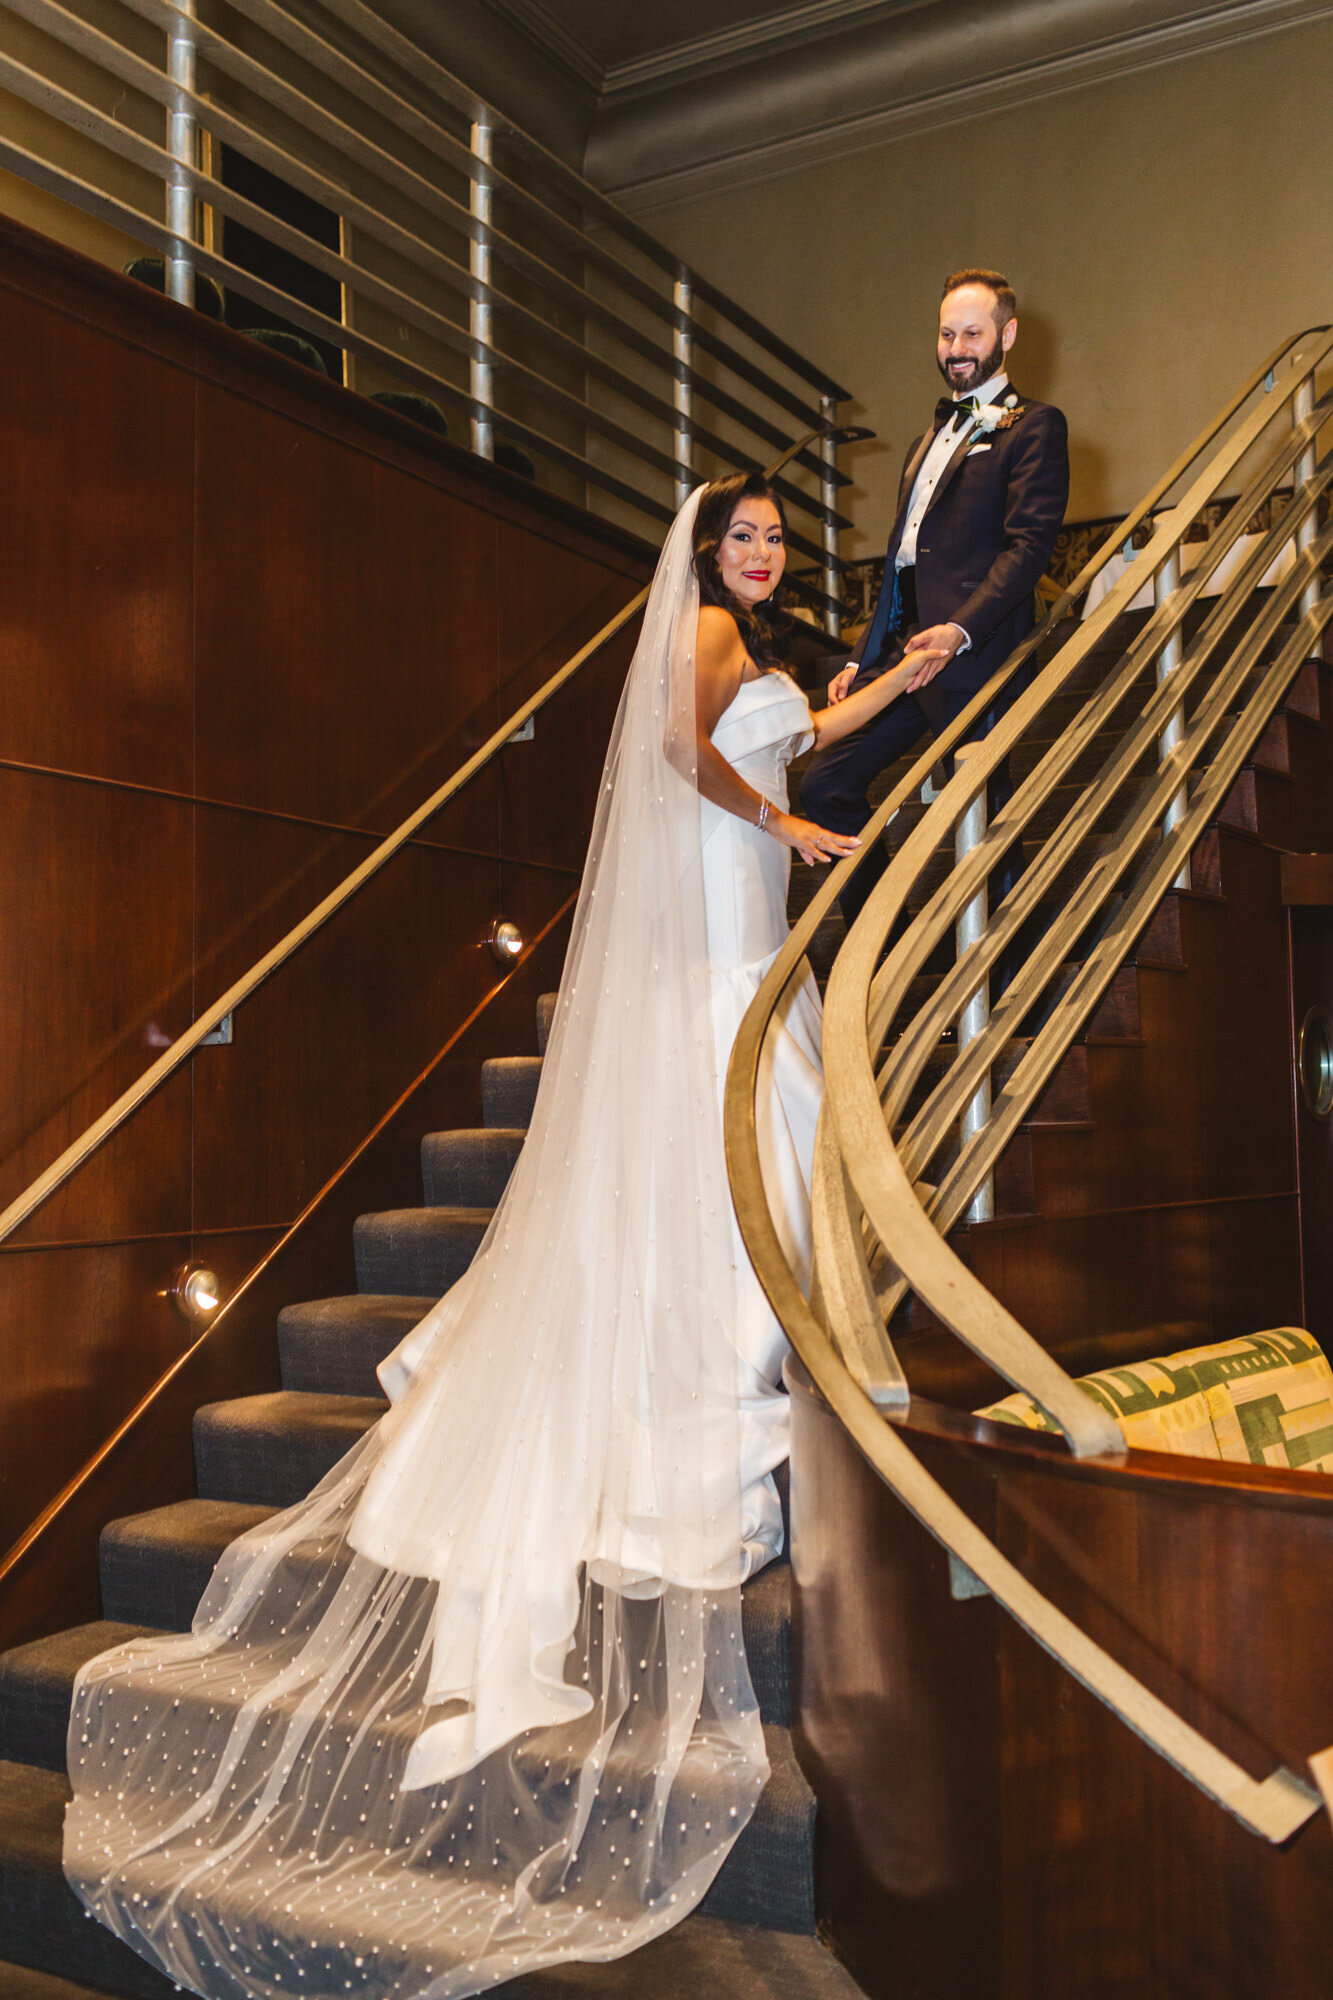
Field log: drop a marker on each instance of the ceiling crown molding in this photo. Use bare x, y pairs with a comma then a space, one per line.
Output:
552, 38
858, 87
728, 46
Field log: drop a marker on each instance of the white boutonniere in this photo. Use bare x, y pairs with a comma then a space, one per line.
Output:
998, 416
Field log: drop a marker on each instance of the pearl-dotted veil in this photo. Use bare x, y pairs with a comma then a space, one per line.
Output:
480, 1704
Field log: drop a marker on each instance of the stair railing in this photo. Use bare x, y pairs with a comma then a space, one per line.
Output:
1165, 751
471, 265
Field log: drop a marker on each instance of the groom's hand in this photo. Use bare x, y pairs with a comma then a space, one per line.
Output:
941, 640
840, 685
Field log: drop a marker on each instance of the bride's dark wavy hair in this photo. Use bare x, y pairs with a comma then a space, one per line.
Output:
764, 628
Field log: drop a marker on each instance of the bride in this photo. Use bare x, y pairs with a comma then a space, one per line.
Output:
480, 1703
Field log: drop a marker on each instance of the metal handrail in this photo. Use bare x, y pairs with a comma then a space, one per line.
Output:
618, 298
878, 1227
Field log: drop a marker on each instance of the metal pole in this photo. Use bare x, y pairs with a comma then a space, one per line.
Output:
969, 928
479, 311
1165, 583
182, 138
1302, 406
682, 348
828, 493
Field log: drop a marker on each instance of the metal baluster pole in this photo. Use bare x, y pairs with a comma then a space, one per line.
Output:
182, 142
1165, 582
1302, 406
682, 348
480, 373
969, 927
828, 493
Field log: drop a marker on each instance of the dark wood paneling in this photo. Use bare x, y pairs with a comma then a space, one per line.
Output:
549, 786
84, 1332
95, 907
1035, 1844
327, 1044
357, 666
1308, 879
98, 443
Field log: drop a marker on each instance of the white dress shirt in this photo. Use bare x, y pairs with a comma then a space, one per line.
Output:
932, 468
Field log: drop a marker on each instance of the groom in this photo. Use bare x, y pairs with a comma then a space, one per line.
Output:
980, 503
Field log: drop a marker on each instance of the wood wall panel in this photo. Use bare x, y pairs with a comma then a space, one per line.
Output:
550, 785
340, 683
83, 1333
98, 443
95, 908
341, 1031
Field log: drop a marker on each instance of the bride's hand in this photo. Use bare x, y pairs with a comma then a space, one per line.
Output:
916, 669
816, 844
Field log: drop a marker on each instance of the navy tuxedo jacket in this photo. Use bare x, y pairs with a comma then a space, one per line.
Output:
985, 541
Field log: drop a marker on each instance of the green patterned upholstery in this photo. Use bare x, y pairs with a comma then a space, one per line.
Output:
1266, 1400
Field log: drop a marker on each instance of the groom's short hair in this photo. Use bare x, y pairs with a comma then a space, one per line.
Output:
1006, 305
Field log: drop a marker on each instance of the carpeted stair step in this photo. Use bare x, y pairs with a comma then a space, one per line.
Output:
766, 1621
545, 1016
468, 1169
36, 1688
272, 1450
421, 1251
767, 1879
42, 1924
155, 1566
332, 1347
509, 1090
769, 1876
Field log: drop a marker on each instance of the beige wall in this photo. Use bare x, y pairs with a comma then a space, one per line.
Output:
1164, 231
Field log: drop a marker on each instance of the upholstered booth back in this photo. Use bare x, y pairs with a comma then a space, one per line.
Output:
1264, 1400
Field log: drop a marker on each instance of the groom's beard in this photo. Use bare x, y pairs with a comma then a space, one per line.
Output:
965, 376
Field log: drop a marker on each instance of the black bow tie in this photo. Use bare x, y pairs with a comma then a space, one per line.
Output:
946, 409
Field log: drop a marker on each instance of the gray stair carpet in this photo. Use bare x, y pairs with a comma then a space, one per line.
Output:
752, 1940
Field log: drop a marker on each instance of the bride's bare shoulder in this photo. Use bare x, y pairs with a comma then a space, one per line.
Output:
719, 644
717, 626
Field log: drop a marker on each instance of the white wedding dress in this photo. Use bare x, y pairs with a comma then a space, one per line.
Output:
480, 1704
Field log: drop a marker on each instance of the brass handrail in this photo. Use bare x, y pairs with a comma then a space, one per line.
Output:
878, 1227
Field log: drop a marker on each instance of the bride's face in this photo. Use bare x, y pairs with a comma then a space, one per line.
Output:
751, 555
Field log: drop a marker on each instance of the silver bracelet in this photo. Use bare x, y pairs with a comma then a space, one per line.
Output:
765, 807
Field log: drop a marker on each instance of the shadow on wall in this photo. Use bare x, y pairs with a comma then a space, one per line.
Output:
1036, 369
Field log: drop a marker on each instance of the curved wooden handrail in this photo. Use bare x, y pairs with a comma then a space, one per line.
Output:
878, 1228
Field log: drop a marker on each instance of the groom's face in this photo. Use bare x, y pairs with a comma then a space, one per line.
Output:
972, 347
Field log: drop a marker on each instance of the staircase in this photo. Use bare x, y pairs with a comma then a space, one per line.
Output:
754, 1935
1125, 1124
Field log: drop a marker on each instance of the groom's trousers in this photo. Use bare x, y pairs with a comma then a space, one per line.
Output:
834, 788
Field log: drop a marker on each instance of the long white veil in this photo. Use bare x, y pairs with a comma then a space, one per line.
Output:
480, 1703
